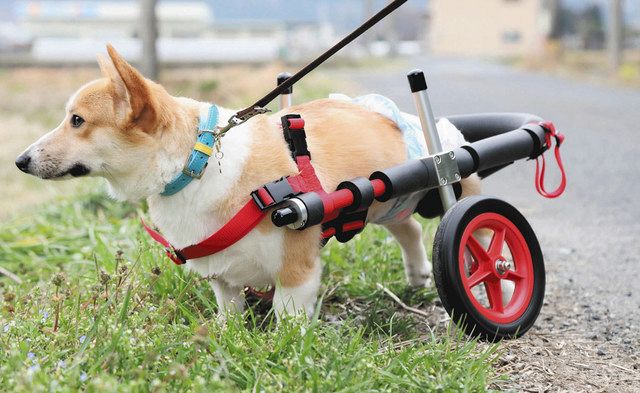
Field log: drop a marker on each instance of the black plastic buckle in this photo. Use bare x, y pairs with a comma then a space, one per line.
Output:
279, 191
297, 140
175, 255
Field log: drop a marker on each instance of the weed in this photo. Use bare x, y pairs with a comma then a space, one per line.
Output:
101, 309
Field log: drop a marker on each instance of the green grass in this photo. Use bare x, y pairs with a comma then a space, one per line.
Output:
129, 320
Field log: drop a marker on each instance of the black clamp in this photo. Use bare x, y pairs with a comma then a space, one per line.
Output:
273, 193
294, 135
347, 225
363, 193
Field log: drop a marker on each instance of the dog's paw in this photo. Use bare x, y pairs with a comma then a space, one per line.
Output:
419, 274
420, 280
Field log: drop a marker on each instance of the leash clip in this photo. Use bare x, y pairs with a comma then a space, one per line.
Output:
240, 118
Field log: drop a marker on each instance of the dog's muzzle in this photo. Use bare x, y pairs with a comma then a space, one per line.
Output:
23, 161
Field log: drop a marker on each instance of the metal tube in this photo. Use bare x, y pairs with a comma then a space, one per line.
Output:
285, 97
430, 130
285, 101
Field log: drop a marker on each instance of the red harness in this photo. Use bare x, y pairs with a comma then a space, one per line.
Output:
255, 210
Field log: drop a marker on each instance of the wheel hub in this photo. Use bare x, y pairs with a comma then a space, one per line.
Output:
502, 266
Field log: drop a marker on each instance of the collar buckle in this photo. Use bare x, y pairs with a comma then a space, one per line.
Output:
212, 132
194, 174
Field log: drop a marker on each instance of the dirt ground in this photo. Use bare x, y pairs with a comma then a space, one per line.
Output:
577, 345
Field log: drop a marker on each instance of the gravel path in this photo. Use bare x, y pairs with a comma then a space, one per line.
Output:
587, 337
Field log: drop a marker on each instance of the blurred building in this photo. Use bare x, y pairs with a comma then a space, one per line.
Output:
72, 18
492, 28
203, 31
73, 31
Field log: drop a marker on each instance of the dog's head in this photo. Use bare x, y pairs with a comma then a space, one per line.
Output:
109, 127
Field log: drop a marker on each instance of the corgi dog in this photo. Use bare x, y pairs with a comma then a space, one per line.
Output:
132, 132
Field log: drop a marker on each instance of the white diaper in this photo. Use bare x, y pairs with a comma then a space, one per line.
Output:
408, 124
411, 130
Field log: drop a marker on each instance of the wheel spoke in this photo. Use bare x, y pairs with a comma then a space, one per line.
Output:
513, 275
479, 253
478, 277
497, 243
494, 293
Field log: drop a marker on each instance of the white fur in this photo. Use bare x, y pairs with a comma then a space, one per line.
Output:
185, 219
298, 300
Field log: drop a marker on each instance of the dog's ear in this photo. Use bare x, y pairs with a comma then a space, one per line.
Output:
109, 71
134, 101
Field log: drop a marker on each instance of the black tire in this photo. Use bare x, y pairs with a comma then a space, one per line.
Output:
446, 266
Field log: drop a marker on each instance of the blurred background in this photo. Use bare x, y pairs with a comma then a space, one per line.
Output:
205, 32
229, 52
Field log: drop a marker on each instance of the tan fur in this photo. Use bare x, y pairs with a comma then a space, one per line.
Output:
336, 133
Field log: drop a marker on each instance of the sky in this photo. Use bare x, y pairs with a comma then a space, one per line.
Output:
351, 11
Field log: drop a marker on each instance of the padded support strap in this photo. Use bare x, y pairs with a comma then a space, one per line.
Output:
245, 220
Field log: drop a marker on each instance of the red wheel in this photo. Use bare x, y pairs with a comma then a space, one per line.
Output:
488, 268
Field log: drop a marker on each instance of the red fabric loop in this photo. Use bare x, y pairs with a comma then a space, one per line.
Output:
541, 163
262, 295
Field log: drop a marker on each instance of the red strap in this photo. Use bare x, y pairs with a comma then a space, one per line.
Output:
262, 295
238, 227
240, 224
306, 180
540, 167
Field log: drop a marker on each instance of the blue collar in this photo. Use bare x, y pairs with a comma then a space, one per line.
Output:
199, 157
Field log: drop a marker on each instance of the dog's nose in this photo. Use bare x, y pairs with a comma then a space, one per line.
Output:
22, 162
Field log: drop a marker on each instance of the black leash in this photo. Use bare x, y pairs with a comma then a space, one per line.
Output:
259, 106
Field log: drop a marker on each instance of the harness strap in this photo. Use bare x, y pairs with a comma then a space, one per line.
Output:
541, 163
254, 211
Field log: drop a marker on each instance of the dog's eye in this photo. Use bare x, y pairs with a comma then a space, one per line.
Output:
76, 121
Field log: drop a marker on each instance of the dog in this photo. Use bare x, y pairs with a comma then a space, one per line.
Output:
132, 132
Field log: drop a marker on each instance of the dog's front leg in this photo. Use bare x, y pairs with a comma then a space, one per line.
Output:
297, 291
230, 298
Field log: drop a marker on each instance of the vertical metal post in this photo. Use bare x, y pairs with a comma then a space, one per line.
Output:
149, 36
285, 98
418, 85
616, 35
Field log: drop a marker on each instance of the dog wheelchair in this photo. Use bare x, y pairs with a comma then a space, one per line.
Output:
469, 275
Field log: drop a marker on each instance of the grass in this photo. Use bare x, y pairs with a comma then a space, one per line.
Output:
586, 65
101, 309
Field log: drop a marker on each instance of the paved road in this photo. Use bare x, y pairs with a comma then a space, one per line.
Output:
590, 235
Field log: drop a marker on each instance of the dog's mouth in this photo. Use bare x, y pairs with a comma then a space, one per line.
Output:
77, 170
